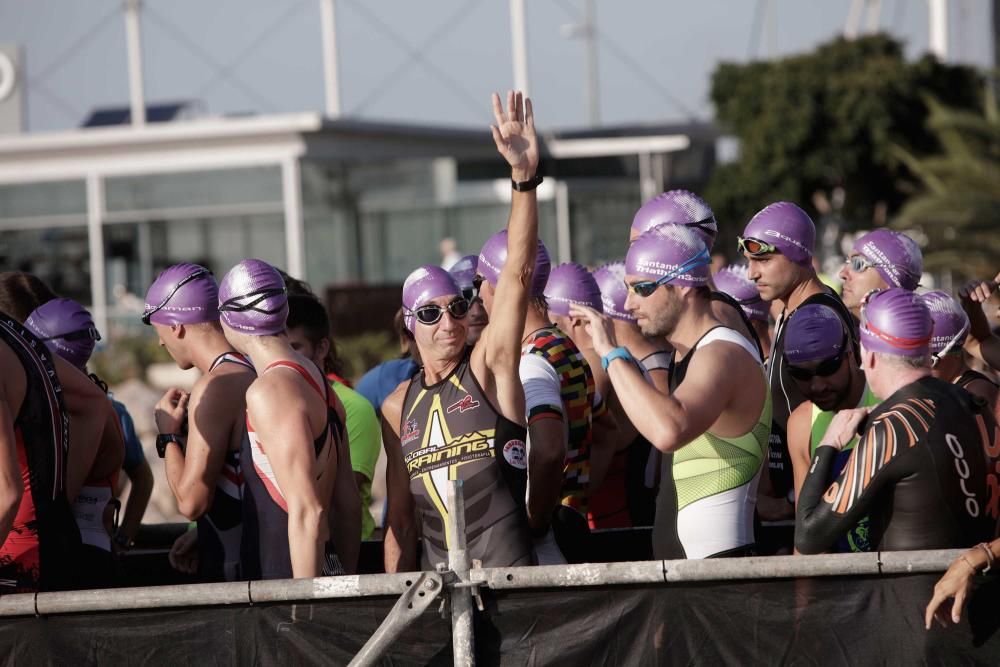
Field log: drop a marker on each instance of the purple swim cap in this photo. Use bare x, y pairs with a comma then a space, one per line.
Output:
494, 254
572, 283
253, 299
464, 271
896, 257
951, 324
787, 227
895, 321
671, 253
733, 281
426, 283
814, 333
680, 207
610, 279
182, 294
66, 328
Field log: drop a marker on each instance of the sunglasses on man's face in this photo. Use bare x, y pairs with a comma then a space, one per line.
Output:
859, 263
432, 313
90, 333
471, 294
644, 288
825, 368
754, 247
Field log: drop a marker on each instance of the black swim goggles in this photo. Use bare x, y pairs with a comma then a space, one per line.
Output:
432, 313
233, 305
472, 294
646, 287
90, 333
825, 368
150, 310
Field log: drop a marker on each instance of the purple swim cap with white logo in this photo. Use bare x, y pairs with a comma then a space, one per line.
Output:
733, 281
787, 227
572, 283
895, 321
951, 324
494, 255
896, 257
464, 271
610, 279
424, 284
814, 333
253, 299
669, 251
182, 294
680, 207
66, 328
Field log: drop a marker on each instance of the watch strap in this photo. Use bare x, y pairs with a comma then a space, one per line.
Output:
617, 353
164, 439
528, 185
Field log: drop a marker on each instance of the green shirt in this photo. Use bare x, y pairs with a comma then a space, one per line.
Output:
363, 431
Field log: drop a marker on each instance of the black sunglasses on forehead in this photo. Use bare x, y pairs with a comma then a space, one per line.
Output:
432, 313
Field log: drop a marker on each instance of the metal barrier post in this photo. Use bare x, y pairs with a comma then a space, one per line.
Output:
463, 642
407, 609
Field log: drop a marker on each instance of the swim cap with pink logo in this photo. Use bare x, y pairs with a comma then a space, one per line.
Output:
610, 279
424, 284
814, 333
895, 321
571, 283
787, 227
182, 294
951, 324
733, 281
66, 328
672, 253
896, 257
253, 299
494, 255
680, 207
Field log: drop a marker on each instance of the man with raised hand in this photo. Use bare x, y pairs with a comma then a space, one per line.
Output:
462, 416
826, 370
202, 468
778, 246
301, 510
714, 430
924, 468
982, 341
879, 260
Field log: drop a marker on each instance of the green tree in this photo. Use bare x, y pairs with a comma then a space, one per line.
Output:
828, 119
958, 204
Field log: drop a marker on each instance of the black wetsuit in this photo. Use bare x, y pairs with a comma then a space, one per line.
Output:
785, 393
970, 376
450, 431
924, 471
39, 551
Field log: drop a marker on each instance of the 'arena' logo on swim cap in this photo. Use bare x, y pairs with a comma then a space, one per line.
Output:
515, 453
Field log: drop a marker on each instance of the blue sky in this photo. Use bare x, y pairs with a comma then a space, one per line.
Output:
429, 62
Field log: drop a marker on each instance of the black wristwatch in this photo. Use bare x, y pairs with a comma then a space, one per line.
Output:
163, 439
528, 185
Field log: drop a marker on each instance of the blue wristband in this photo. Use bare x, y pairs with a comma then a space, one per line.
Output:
617, 353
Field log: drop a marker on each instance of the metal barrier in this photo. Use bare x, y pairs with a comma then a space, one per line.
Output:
461, 579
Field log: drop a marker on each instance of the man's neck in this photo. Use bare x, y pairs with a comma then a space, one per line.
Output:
900, 378
808, 287
534, 321
693, 325
436, 370
209, 346
264, 353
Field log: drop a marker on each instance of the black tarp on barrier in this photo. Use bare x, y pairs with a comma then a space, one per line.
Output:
828, 621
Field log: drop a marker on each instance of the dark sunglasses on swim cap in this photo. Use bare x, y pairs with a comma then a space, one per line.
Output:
181, 283
646, 287
90, 333
432, 313
233, 306
472, 294
825, 368
752, 247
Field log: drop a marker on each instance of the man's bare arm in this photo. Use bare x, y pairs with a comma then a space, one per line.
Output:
400, 534
345, 515
84, 402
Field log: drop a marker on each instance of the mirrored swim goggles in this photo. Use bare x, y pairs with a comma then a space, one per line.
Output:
755, 248
860, 264
432, 313
644, 288
181, 283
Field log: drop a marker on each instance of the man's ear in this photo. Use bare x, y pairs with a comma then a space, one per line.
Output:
322, 348
179, 330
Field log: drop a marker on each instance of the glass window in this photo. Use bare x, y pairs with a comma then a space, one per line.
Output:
217, 187
60, 256
24, 200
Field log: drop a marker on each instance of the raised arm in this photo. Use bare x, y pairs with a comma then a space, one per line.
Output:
972, 298
514, 134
